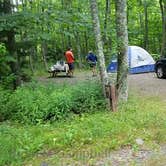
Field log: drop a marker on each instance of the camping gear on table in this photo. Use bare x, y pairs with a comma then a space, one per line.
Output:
60, 66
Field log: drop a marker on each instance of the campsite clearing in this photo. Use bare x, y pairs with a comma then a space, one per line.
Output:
145, 84
103, 133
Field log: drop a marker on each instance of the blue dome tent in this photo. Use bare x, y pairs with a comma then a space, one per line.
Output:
140, 61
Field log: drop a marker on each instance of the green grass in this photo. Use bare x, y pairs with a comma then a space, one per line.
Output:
84, 137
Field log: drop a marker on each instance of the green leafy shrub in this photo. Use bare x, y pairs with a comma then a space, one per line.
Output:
156, 56
26, 75
6, 76
4, 98
87, 97
4, 67
36, 103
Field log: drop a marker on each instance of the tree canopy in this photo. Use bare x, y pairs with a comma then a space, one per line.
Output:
41, 30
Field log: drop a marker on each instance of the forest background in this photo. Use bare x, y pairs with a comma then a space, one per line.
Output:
37, 33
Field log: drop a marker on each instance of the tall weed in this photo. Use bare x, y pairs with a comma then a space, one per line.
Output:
4, 99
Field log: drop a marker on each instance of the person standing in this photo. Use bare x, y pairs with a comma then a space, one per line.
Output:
92, 60
70, 61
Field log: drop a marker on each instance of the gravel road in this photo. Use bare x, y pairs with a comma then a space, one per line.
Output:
148, 84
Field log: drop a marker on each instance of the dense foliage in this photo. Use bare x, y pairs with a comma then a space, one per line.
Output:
36, 103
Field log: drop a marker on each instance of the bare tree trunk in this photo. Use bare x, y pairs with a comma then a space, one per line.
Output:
163, 14
68, 37
31, 59
122, 37
11, 45
146, 25
107, 14
96, 25
63, 42
77, 37
107, 36
15, 66
44, 53
141, 29
86, 41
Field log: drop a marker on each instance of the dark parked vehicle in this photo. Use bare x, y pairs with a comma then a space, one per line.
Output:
160, 68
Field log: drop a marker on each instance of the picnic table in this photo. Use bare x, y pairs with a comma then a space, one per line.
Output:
60, 66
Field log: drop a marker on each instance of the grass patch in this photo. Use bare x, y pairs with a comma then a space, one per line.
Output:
84, 137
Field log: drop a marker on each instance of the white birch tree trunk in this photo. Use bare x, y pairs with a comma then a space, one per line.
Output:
99, 44
122, 39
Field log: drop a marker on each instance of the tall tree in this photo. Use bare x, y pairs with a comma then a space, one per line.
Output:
163, 14
107, 17
145, 4
122, 42
77, 37
11, 44
99, 43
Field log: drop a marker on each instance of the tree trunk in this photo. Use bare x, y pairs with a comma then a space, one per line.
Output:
107, 17
77, 37
31, 55
68, 37
63, 41
86, 42
141, 28
15, 68
122, 38
146, 25
96, 25
44, 53
107, 37
163, 14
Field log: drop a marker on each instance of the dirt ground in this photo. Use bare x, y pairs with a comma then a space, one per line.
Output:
146, 84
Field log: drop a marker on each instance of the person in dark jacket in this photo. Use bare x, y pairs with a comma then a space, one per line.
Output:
92, 60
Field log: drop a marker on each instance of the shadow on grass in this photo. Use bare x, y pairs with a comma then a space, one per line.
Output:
60, 76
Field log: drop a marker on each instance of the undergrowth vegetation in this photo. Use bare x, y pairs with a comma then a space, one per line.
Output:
95, 133
37, 103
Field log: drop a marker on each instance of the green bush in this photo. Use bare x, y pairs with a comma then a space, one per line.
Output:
36, 103
156, 56
4, 99
87, 97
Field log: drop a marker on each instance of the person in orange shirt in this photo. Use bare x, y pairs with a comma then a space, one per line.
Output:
70, 61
